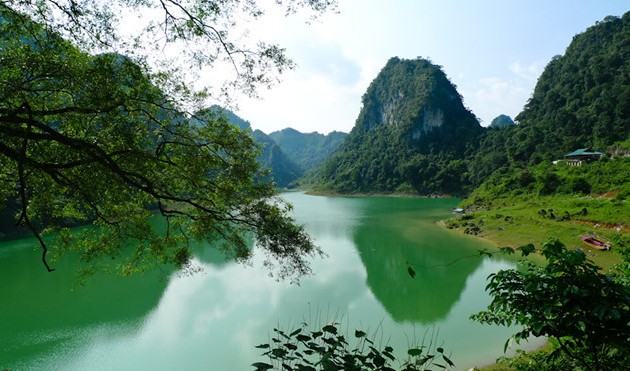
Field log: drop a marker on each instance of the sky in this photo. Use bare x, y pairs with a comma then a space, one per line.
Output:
492, 50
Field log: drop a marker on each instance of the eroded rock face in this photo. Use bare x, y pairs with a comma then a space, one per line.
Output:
431, 118
390, 109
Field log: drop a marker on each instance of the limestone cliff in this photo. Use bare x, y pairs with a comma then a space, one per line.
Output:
412, 120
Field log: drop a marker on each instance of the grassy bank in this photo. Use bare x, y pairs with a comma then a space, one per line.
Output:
518, 221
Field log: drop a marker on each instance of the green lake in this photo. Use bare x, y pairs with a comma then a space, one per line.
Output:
213, 320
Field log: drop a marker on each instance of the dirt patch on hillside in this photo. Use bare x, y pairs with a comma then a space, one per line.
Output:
608, 226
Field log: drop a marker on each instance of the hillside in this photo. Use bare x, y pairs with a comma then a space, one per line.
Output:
526, 191
307, 149
411, 136
581, 100
283, 170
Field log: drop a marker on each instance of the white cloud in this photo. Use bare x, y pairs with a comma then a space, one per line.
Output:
505, 93
310, 103
529, 72
326, 58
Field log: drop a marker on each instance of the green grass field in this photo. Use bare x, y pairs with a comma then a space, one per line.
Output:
519, 221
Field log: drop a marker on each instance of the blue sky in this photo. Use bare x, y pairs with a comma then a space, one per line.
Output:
492, 50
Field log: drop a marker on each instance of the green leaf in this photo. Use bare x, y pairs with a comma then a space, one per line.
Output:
330, 329
580, 325
359, 333
291, 346
527, 249
411, 272
414, 352
447, 360
303, 338
278, 352
262, 366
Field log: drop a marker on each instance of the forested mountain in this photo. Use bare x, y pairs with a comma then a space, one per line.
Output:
283, 169
501, 121
411, 135
307, 149
581, 100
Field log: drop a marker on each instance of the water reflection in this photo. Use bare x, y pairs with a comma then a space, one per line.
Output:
392, 238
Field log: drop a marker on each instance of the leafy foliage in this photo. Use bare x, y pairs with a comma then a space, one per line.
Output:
582, 98
200, 33
283, 171
586, 312
92, 139
328, 349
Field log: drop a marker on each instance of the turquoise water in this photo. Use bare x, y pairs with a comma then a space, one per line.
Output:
213, 320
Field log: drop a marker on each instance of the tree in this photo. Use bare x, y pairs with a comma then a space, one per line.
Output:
585, 312
100, 139
199, 33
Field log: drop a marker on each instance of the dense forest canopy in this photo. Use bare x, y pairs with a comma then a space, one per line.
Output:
581, 100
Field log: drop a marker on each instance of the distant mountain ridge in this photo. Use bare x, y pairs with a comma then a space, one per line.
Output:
501, 121
287, 153
307, 149
283, 170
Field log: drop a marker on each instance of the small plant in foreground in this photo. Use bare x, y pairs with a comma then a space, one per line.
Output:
328, 349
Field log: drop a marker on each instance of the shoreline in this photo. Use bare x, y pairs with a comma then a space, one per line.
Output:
395, 195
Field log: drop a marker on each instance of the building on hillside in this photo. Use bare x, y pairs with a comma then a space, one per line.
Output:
576, 157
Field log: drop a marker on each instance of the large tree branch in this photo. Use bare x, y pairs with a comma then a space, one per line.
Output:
24, 203
95, 155
202, 28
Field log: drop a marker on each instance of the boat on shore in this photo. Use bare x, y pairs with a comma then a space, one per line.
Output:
596, 243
